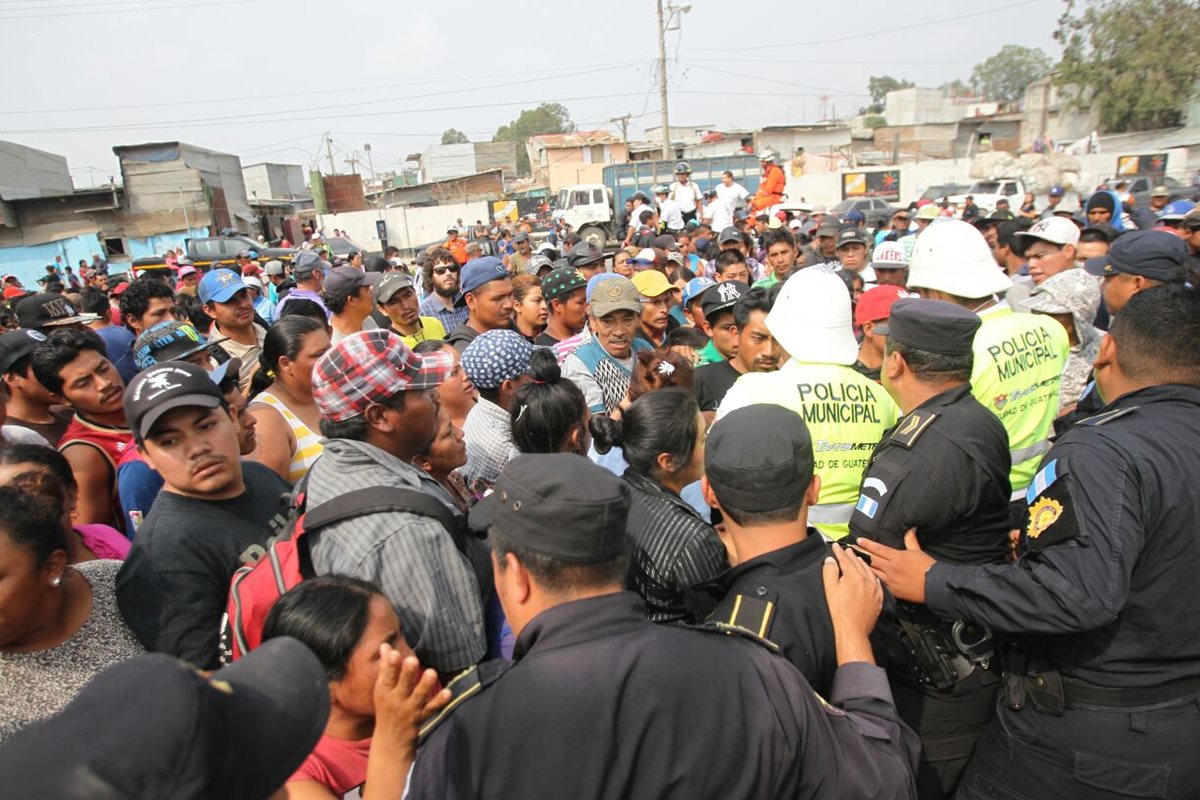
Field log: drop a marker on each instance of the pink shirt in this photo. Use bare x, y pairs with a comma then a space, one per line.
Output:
337, 764
104, 541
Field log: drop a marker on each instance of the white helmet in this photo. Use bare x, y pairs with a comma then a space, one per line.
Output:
812, 320
952, 256
768, 155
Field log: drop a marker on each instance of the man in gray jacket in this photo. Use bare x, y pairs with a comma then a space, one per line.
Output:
379, 409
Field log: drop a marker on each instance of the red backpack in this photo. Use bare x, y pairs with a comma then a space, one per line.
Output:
254, 589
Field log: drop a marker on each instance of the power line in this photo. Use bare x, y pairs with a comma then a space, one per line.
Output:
863, 34
822, 89
542, 75
126, 10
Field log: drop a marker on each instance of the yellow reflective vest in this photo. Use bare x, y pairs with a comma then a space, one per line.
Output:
847, 414
1019, 360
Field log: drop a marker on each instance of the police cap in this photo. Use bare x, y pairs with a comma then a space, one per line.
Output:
1152, 254
759, 458
559, 505
934, 326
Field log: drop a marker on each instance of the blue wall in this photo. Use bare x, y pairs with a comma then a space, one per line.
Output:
28, 262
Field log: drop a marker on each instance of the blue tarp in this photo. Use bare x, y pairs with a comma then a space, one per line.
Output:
28, 262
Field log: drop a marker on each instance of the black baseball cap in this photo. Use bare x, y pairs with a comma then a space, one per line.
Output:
721, 296
18, 344
1152, 254
933, 326
346, 281
830, 228
165, 387
851, 236
49, 310
759, 458
558, 505
665, 241
560, 282
154, 727
585, 254
169, 340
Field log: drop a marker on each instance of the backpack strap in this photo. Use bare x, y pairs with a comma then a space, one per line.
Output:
377, 499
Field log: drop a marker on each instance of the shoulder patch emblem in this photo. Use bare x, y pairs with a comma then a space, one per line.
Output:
1042, 515
866, 506
911, 428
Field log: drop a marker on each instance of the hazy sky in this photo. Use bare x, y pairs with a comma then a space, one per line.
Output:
264, 79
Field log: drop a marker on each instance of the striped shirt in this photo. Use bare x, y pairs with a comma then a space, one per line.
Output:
673, 549
488, 434
308, 443
411, 558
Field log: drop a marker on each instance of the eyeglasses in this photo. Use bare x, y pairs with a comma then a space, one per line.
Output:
444, 270
661, 300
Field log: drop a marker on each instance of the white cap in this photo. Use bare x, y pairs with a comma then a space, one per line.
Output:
251, 280
1056, 230
812, 320
953, 257
889, 255
795, 224
646, 254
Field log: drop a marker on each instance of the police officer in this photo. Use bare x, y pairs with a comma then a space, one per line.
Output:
600, 703
942, 470
1102, 696
758, 466
1136, 261
846, 412
1019, 358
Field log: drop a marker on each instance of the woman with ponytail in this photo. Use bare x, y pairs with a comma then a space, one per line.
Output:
673, 548
281, 397
549, 413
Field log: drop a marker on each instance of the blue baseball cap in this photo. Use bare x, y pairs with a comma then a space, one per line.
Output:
1056, 191
496, 356
169, 340
220, 285
854, 215
478, 271
694, 288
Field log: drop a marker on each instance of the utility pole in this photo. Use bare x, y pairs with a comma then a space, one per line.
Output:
624, 123
329, 151
662, 83
352, 161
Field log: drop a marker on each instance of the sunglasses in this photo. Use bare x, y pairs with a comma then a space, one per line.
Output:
444, 270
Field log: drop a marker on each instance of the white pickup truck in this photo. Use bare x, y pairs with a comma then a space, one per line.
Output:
986, 193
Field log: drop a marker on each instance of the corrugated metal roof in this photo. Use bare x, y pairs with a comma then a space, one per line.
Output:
576, 139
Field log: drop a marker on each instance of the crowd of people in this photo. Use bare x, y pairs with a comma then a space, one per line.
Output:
780, 507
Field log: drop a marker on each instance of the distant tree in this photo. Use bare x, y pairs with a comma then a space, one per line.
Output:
878, 86
874, 121
1134, 59
546, 118
1005, 75
955, 88
454, 136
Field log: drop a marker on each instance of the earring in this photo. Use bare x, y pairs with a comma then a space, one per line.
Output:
56, 580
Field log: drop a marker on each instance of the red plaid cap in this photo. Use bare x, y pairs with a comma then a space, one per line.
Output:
371, 367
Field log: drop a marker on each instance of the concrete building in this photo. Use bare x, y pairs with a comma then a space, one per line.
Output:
560, 159
821, 147
275, 182
442, 162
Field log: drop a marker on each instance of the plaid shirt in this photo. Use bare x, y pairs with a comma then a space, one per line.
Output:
488, 431
451, 318
411, 558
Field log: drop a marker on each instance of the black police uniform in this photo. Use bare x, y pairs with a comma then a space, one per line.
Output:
1102, 698
601, 703
943, 470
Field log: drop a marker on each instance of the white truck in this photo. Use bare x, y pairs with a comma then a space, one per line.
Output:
987, 193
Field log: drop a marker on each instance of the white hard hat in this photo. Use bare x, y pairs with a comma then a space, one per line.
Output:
952, 256
812, 320
767, 155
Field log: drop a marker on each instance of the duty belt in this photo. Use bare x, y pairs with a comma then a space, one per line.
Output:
1052, 693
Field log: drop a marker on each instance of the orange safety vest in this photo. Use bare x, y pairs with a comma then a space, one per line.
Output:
770, 190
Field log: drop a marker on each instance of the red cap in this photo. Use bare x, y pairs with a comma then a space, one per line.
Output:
876, 303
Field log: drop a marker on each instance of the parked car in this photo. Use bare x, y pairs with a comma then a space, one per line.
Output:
876, 210
1142, 186
940, 190
216, 251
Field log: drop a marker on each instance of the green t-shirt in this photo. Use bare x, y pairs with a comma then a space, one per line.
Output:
710, 355
766, 283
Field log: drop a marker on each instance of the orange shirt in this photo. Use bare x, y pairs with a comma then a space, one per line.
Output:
770, 190
458, 249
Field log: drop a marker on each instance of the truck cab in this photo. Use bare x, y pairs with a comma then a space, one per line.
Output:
588, 209
988, 193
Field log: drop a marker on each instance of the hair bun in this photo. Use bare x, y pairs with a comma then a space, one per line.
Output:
543, 366
606, 433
